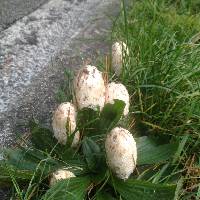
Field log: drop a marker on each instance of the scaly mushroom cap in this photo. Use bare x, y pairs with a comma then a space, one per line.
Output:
121, 152
119, 52
89, 88
60, 175
64, 122
118, 91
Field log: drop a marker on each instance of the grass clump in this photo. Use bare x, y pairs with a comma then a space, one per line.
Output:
162, 73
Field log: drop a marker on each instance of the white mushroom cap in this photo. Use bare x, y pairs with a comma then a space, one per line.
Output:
89, 88
64, 122
118, 91
60, 175
121, 152
119, 51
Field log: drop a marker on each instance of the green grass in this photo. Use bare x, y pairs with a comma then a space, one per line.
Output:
162, 74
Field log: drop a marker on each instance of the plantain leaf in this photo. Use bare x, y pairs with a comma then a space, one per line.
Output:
92, 153
31, 160
19, 175
149, 152
111, 114
42, 138
88, 121
70, 189
92, 122
141, 190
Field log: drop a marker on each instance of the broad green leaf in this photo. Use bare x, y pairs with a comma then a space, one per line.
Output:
92, 122
43, 139
33, 159
111, 114
149, 152
30, 159
19, 175
92, 153
22, 160
88, 121
69, 189
141, 190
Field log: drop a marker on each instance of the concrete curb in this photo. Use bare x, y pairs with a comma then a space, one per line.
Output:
35, 51
13, 10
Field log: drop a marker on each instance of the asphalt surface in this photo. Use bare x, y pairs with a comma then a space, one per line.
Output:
13, 10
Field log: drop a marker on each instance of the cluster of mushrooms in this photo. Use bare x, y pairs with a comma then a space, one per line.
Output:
90, 91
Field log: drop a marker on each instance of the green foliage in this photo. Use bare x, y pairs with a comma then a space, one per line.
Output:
42, 138
6, 171
104, 195
111, 114
65, 92
88, 121
136, 189
163, 69
162, 74
33, 165
70, 189
92, 153
93, 122
30, 159
151, 153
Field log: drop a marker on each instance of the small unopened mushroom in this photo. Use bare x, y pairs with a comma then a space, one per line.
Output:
119, 52
64, 122
117, 91
89, 88
121, 152
60, 175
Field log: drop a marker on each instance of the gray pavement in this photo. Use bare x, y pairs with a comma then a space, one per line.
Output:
13, 10
36, 46
35, 50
